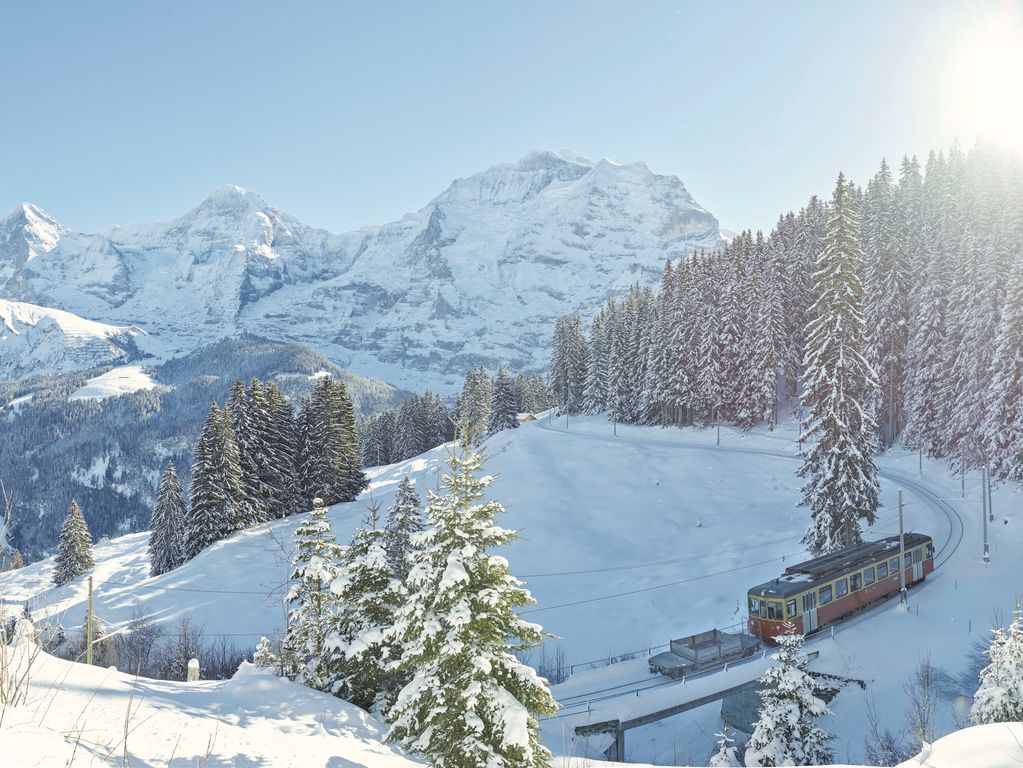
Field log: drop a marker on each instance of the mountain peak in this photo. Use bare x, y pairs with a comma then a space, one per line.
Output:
30, 231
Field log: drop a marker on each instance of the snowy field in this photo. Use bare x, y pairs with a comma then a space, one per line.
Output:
121, 380
628, 540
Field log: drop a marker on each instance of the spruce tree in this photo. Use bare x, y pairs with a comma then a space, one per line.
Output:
16, 561
504, 404
470, 701
999, 699
404, 520
215, 508
841, 478
359, 640
166, 536
239, 409
786, 732
330, 459
278, 438
313, 604
74, 549
726, 756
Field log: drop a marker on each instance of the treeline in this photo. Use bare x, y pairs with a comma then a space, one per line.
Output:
104, 453
724, 339
254, 461
422, 422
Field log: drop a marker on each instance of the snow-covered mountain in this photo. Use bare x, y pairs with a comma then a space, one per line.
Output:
477, 275
36, 340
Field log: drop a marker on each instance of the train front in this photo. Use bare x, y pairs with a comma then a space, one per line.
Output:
771, 606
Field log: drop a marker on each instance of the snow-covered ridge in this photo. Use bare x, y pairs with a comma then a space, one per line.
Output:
477, 275
36, 339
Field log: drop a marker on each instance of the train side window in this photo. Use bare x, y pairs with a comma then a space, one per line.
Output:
908, 561
774, 611
893, 566
918, 555
754, 606
841, 588
882, 570
790, 607
868, 576
855, 582
930, 549
826, 595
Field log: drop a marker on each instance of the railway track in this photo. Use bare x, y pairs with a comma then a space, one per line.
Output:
579, 703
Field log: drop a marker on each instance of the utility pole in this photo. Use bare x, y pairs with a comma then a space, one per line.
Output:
614, 424
902, 555
990, 509
88, 628
921, 460
985, 496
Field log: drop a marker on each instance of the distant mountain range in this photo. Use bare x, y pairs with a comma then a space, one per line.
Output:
478, 275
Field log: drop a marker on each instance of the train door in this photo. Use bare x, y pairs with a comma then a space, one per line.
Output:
809, 611
918, 564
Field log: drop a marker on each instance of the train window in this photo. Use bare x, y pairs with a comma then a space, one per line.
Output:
841, 588
930, 549
774, 611
882, 570
825, 594
855, 582
908, 561
918, 555
790, 607
868, 576
893, 566
754, 606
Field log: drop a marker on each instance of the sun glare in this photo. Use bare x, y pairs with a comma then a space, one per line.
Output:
985, 82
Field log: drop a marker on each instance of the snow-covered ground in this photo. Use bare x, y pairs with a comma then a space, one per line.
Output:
627, 541
77, 714
117, 381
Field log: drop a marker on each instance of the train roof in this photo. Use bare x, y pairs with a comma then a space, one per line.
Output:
801, 576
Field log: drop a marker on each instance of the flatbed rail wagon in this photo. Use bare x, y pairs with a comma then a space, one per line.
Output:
702, 651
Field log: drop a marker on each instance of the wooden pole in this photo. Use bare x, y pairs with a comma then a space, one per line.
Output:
902, 555
88, 627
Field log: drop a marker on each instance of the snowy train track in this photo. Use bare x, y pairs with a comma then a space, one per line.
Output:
579, 703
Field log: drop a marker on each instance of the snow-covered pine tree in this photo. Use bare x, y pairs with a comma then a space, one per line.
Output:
841, 478
239, 410
786, 732
568, 364
409, 439
330, 459
16, 561
74, 549
999, 699
726, 756
504, 405
278, 438
469, 701
404, 520
215, 507
359, 642
1003, 428
313, 605
166, 542
886, 308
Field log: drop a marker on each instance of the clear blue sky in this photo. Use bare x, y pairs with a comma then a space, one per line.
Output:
346, 114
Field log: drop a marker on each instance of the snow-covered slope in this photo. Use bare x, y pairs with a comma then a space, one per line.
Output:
627, 541
36, 339
81, 715
478, 274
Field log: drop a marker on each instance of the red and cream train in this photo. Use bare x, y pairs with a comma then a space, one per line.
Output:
818, 592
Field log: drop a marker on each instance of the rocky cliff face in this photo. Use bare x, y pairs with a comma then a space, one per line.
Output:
477, 275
